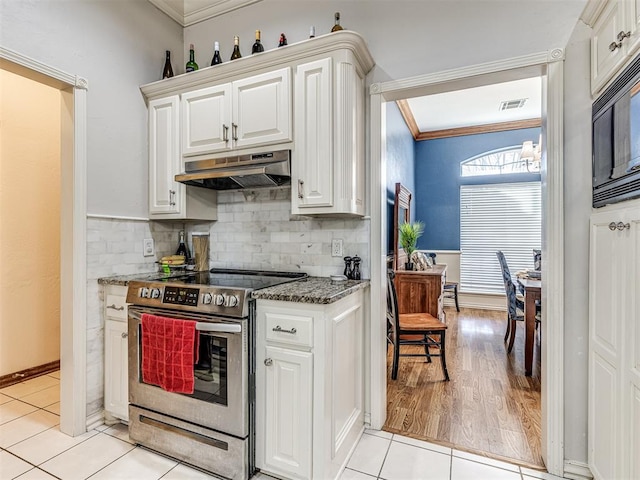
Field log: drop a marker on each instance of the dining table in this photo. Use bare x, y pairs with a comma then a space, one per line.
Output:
532, 295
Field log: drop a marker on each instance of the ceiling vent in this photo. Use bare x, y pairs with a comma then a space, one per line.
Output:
511, 104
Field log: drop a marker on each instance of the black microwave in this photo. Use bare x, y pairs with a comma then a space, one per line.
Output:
616, 139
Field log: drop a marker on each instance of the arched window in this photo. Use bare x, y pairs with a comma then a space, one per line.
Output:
498, 162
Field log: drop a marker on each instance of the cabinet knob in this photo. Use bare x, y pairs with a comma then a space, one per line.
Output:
235, 132
268, 362
613, 226
622, 35
125, 334
623, 226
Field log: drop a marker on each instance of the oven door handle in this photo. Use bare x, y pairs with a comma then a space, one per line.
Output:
218, 327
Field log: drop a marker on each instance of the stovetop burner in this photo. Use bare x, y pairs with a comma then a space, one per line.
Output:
246, 279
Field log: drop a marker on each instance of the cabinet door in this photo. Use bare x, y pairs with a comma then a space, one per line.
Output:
206, 120
633, 25
262, 109
604, 60
288, 411
609, 312
312, 182
116, 375
165, 194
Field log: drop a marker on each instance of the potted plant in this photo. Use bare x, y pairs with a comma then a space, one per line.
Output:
409, 234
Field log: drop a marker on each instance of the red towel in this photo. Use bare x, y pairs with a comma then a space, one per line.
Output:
169, 351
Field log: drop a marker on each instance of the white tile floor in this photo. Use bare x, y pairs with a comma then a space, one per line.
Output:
32, 448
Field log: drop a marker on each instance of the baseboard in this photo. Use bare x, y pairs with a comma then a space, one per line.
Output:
28, 373
95, 420
367, 420
577, 470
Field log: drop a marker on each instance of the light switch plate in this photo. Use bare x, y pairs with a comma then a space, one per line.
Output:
148, 249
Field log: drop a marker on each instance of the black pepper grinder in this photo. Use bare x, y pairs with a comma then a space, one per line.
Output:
355, 273
347, 267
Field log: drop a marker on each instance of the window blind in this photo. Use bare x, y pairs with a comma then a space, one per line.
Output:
496, 217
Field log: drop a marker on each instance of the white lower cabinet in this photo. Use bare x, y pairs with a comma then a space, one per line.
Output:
309, 386
288, 409
614, 342
116, 374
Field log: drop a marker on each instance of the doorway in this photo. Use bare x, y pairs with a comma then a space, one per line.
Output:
549, 66
72, 265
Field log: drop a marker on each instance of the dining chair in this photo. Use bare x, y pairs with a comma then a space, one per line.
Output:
422, 329
450, 288
515, 305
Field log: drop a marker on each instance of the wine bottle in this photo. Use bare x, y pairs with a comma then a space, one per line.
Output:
283, 40
182, 247
312, 32
236, 48
191, 64
217, 59
337, 26
257, 46
168, 71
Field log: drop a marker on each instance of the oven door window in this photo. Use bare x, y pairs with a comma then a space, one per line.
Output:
211, 370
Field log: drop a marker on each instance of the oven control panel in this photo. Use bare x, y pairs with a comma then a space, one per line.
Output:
189, 297
181, 295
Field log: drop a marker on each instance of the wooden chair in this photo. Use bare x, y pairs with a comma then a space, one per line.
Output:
421, 329
515, 305
450, 288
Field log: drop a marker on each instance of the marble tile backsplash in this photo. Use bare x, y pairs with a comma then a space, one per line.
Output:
255, 229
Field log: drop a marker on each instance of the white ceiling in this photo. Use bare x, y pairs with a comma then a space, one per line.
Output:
477, 106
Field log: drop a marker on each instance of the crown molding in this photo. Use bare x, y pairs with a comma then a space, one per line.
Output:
591, 11
179, 10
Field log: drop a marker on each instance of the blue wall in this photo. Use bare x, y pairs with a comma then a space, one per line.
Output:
400, 162
436, 194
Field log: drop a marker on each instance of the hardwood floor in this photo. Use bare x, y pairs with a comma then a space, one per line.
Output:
489, 406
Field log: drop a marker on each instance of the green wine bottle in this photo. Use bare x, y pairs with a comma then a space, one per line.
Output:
191, 64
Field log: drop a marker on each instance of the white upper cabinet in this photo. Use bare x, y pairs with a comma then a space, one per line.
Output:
169, 199
615, 37
328, 171
307, 97
206, 120
262, 109
164, 156
246, 113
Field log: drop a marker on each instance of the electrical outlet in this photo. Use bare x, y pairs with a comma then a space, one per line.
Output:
148, 248
336, 247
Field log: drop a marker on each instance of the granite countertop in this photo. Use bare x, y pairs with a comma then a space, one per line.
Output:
142, 277
319, 290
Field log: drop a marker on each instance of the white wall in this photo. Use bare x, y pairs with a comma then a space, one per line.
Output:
116, 46
406, 37
577, 208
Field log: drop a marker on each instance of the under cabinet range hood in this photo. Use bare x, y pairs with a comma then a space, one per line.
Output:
269, 169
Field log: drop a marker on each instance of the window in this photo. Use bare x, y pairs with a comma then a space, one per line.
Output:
496, 162
505, 217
